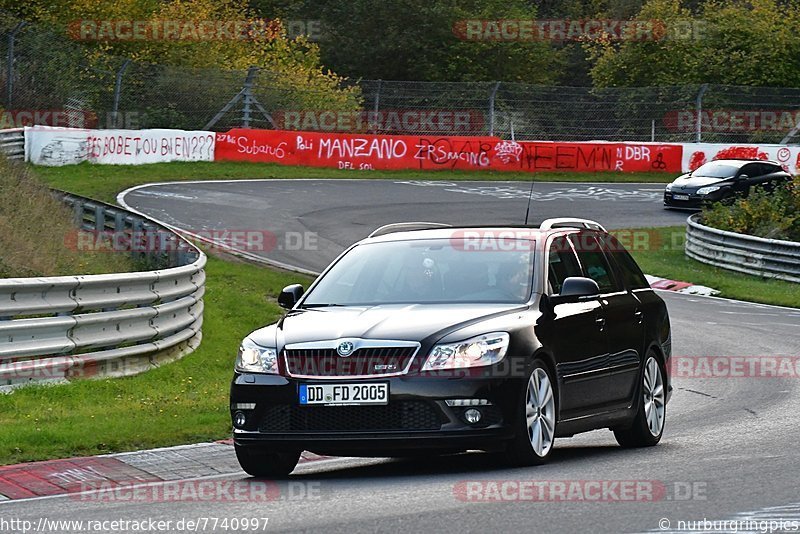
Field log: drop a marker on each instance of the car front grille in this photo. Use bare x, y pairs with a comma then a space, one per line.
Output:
397, 416
380, 361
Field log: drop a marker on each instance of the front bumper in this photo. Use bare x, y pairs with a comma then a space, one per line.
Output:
694, 201
415, 417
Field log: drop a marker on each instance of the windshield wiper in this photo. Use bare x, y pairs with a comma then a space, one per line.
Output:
321, 305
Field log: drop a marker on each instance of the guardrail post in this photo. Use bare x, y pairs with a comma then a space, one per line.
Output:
99, 218
77, 214
119, 222
137, 238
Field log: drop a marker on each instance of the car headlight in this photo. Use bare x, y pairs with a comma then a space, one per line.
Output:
253, 358
707, 190
474, 352
668, 188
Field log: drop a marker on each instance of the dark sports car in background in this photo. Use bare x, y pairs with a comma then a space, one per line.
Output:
425, 338
722, 181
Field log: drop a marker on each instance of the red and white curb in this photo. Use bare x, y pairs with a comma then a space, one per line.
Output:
74, 475
680, 287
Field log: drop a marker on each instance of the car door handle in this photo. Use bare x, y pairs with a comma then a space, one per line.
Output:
639, 316
600, 322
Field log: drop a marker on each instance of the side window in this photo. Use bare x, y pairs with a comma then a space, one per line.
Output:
561, 263
751, 170
593, 261
627, 266
768, 168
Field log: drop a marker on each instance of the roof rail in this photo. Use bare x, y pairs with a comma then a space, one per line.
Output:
405, 227
569, 222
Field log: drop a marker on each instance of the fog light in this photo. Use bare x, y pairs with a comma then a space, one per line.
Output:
239, 420
472, 416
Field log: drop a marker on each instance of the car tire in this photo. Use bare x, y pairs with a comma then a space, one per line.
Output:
536, 419
651, 408
260, 463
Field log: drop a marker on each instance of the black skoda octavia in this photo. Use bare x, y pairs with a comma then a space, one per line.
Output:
424, 338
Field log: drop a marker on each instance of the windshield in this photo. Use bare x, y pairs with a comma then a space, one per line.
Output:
428, 271
714, 169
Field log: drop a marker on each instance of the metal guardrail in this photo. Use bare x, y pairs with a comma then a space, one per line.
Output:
63, 327
12, 143
768, 258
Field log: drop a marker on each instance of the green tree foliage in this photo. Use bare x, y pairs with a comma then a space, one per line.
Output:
723, 41
418, 39
292, 65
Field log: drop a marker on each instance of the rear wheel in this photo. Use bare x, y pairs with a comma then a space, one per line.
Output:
260, 463
536, 421
648, 426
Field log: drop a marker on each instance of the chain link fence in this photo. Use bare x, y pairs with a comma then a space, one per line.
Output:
43, 71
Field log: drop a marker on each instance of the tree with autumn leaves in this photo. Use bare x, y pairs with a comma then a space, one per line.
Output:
291, 66
752, 43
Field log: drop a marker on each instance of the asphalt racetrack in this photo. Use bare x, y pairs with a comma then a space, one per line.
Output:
729, 451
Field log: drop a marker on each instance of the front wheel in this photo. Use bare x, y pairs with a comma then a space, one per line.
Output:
536, 421
260, 463
648, 425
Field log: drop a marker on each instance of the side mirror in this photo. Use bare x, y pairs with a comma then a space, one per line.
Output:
743, 177
290, 295
576, 288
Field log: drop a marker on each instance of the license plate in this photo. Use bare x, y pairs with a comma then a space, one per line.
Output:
680, 197
344, 394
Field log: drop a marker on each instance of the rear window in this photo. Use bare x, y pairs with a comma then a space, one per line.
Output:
628, 268
593, 262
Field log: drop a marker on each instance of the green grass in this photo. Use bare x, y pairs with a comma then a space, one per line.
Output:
663, 255
37, 234
182, 402
103, 182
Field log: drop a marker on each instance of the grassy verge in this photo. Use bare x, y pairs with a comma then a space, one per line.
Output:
36, 231
103, 182
663, 255
183, 402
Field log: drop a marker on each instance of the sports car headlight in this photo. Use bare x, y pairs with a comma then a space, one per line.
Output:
668, 188
707, 190
253, 358
475, 352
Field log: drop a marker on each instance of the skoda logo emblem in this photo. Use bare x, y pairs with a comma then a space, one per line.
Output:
345, 349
